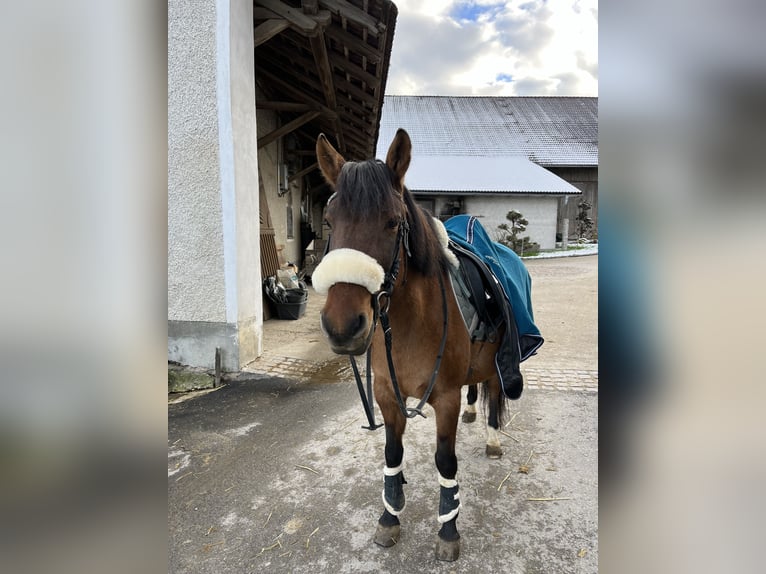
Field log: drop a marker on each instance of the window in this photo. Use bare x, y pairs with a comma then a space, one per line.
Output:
290, 229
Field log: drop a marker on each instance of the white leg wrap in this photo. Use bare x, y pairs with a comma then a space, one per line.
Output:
347, 266
387, 471
389, 507
447, 482
470, 409
446, 503
493, 437
447, 517
394, 486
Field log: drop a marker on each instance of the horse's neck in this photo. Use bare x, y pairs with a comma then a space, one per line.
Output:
413, 300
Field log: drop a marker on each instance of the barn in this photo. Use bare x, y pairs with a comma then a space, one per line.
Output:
488, 155
250, 86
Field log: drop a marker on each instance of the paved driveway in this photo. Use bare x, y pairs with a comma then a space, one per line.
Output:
273, 473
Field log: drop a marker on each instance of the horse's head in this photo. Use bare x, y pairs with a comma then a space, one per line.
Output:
368, 217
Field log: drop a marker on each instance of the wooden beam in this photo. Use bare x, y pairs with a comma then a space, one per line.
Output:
295, 93
261, 13
282, 106
353, 43
270, 28
310, 6
348, 10
287, 128
351, 68
302, 172
319, 49
343, 86
295, 16
339, 135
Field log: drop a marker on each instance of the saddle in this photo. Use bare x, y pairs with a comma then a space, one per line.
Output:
485, 310
496, 290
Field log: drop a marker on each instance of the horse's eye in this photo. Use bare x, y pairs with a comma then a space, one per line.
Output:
392, 223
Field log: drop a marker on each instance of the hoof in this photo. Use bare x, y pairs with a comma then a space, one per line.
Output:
387, 536
447, 550
469, 417
494, 451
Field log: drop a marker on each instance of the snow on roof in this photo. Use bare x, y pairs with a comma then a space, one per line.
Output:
472, 174
550, 131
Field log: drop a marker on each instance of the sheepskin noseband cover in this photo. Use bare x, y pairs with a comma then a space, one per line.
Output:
347, 266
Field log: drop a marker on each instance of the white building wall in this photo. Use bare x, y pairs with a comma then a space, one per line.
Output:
241, 81
540, 211
195, 217
213, 240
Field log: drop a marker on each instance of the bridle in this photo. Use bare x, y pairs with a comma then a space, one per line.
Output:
381, 302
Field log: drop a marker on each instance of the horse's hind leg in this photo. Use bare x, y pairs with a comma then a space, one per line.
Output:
389, 528
496, 403
469, 414
448, 543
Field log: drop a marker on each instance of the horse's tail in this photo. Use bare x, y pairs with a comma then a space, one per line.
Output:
492, 393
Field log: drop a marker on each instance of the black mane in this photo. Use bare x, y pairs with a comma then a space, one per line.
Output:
367, 189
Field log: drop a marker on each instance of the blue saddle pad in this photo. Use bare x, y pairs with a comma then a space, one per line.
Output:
510, 272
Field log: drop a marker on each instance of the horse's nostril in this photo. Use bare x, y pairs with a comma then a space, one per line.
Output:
355, 327
323, 324
361, 322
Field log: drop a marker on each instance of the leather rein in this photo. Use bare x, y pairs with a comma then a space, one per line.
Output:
381, 301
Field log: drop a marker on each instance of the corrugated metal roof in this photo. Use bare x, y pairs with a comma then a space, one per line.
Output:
472, 174
550, 131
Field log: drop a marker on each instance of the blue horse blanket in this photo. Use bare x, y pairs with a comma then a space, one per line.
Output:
467, 232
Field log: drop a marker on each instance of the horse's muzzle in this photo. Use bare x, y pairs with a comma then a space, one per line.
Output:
347, 318
352, 339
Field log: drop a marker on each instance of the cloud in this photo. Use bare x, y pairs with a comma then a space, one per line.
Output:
568, 83
525, 31
485, 47
473, 11
427, 52
534, 86
587, 65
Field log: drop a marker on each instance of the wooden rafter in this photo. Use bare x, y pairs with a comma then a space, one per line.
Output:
286, 129
296, 18
270, 28
324, 63
282, 106
304, 171
348, 10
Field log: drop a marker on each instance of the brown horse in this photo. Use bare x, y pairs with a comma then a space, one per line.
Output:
387, 256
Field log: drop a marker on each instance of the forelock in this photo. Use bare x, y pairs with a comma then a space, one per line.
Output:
365, 188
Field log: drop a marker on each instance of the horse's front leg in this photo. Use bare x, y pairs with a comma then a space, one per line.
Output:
447, 411
387, 533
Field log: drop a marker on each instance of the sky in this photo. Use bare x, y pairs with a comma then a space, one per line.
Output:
490, 48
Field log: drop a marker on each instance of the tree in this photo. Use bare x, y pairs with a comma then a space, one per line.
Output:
585, 223
508, 235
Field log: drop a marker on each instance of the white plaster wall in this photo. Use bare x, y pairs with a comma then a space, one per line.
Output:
540, 211
249, 302
196, 290
214, 281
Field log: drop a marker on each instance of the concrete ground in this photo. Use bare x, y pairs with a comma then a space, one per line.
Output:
272, 472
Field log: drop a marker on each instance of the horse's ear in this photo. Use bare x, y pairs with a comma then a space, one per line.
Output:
330, 161
399, 154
